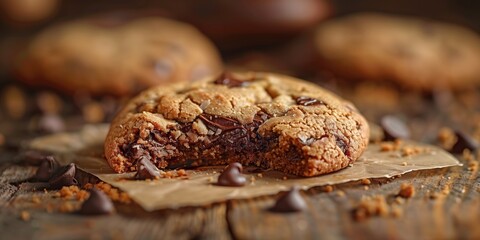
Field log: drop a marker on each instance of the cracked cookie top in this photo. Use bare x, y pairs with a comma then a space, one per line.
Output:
261, 110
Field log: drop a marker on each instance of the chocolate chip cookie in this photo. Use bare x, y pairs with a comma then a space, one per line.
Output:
260, 119
414, 53
117, 54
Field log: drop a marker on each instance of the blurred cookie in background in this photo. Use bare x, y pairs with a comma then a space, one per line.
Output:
116, 54
26, 12
411, 52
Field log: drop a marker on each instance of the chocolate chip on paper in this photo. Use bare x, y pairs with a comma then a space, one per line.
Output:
232, 176
146, 169
97, 204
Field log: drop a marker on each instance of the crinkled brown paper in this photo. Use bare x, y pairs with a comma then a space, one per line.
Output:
85, 148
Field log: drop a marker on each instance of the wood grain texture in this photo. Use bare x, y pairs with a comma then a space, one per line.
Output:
446, 206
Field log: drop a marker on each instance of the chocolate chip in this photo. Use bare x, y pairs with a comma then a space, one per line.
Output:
308, 101
220, 122
290, 201
51, 123
48, 166
232, 176
97, 204
229, 80
64, 176
464, 141
146, 169
394, 128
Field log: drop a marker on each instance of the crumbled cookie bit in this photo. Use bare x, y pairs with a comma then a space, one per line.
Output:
410, 151
371, 206
365, 188
406, 190
25, 216
366, 181
284, 177
260, 175
66, 207
35, 199
341, 193
112, 193
181, 173
446, 138
473, 166
389, 146
328, 188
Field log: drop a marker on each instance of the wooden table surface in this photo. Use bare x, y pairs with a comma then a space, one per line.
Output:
454, 212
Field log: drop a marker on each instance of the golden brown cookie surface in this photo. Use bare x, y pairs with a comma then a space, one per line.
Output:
260, 119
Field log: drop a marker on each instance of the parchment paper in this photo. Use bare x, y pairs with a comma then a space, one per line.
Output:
85, 148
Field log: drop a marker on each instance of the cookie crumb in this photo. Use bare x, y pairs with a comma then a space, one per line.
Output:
327, 189
341, 193
406, 190
66, 207
365, 188
446, 138
473, 166
35, 199
371, 206
366, 181
25, 216
181, 173
93, 112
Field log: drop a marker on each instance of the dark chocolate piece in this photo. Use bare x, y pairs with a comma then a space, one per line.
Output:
64, 176
394, 128
290, 201
229, 80
308, 101
232, 176
464, 141
146, 169
233, 137
48, 166
97, 204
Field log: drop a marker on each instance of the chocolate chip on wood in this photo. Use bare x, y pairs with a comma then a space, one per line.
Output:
64, 176
290, 201
97, 204
263, 119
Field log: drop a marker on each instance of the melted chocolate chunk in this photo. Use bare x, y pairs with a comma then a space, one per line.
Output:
97, 204
229, 80
232, 176
464, 141
146, 169
227, 138
308, 101
342, 145
290, 201
64, 176
394, 128
48, 166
